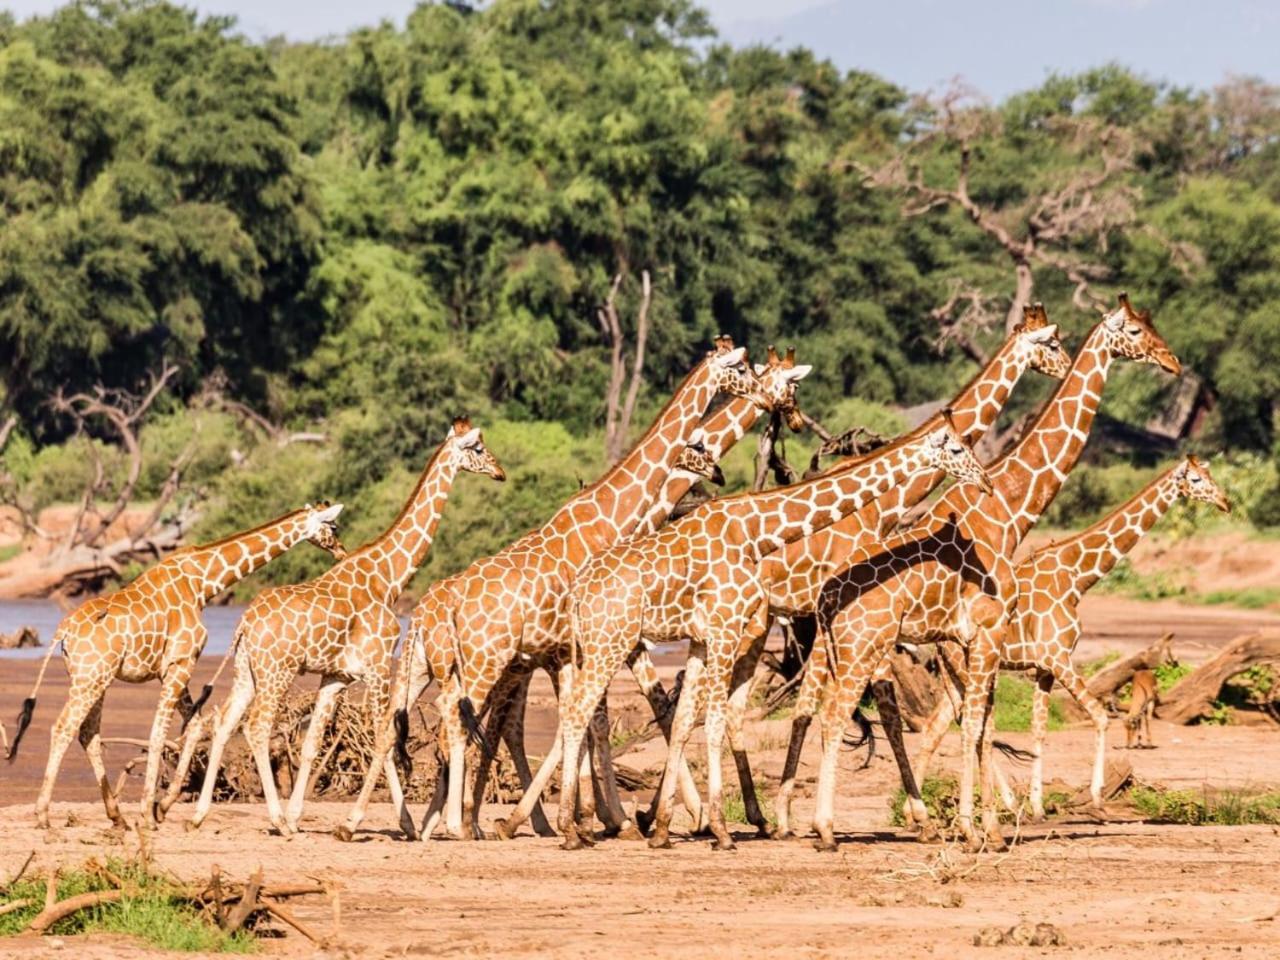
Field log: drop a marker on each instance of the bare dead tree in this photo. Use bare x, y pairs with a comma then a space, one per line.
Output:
619, 410
6, 429
213, 395
1045, 230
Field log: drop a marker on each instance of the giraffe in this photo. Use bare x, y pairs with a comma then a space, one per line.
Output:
793, 576
1045, 626
151, 629
339, 625
696, 578
951, 577
467, 629
719, 432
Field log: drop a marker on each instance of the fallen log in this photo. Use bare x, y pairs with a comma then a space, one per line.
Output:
50, 915
1193, 696
20, 638
1107, 682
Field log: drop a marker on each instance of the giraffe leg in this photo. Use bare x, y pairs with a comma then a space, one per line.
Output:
914, 811
173, 686
681, 730
190, 740
531, 799
719, 678
1039, 730
1079, 689
258, 725
646, 676
242, 693
815, 676
978, 691
435, 809
85, 695
617, 822
321, 715
418, 677
987, 770
91, 740
513, 735
743, 675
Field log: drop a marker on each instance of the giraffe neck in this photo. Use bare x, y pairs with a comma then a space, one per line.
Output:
720, 432
780, 516
1029, 477
387, 563
974, 410
223, 563
621, 498
1103, 544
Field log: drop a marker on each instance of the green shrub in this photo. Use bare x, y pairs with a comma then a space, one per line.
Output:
1225, 808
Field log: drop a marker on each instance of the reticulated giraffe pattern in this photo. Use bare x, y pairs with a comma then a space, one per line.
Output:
1045, 626
951, 576
467, 629
151, 629
696, 578
339, 625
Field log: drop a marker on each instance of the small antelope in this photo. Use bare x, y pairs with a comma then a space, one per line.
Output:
1142, 706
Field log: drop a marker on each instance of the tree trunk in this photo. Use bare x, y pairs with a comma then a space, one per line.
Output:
1194, 695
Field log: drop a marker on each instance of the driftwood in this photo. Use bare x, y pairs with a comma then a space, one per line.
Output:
917, 689
22, 637
1192, 698
1107, 682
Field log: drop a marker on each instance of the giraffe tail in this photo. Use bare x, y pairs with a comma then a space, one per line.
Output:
207, 691
1012, 752
471, 720
29, 704
866, 737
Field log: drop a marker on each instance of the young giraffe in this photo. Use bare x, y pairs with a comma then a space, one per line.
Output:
720, 431
951, 576
1045, 626
793, 576
152, 630
479, 621
697, 578
339, 625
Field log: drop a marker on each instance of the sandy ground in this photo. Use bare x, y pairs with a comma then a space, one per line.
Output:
1176, 891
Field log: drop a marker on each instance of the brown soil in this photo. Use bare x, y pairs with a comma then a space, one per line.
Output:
1177, 891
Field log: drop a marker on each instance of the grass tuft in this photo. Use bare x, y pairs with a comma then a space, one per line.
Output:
154, 913
1012, 710
1204, 807
735, 808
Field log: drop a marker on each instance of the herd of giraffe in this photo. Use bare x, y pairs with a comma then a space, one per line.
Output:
856, 550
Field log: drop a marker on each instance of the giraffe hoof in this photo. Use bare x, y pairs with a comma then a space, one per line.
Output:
572, 842
823, 845
660, 841
502, 829
724, 845
766, 831
786, 834
630, 832
343, 833
191, 826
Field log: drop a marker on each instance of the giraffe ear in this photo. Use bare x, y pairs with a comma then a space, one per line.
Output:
800, 372
468, 438
1042, 334
759, 368
330, 514
732, 358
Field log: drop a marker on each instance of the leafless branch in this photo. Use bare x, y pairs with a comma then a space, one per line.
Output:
619, 411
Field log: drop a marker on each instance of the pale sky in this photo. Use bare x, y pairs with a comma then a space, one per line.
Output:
998, 46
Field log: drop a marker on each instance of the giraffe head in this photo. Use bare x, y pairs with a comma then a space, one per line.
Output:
945, 449
467, 448
321, 524
733, 375
1039, 338
780, 376
1131, 334
1195, 483
697, 460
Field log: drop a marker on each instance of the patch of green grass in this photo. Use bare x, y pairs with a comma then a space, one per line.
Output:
1250, 598
735, 808
153, 912
9, 551
1012, 710
1223, 808
1104, 661
1168, 675
940, 795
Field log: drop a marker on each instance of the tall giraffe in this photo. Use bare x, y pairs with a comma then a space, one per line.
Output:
719, 432
951, 576
793, 576
339, 625
1045, 626
477, 622
151, 629
696, 578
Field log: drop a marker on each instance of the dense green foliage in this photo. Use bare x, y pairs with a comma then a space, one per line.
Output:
368, 236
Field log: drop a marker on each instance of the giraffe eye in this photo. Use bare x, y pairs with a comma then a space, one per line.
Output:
1132, 330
